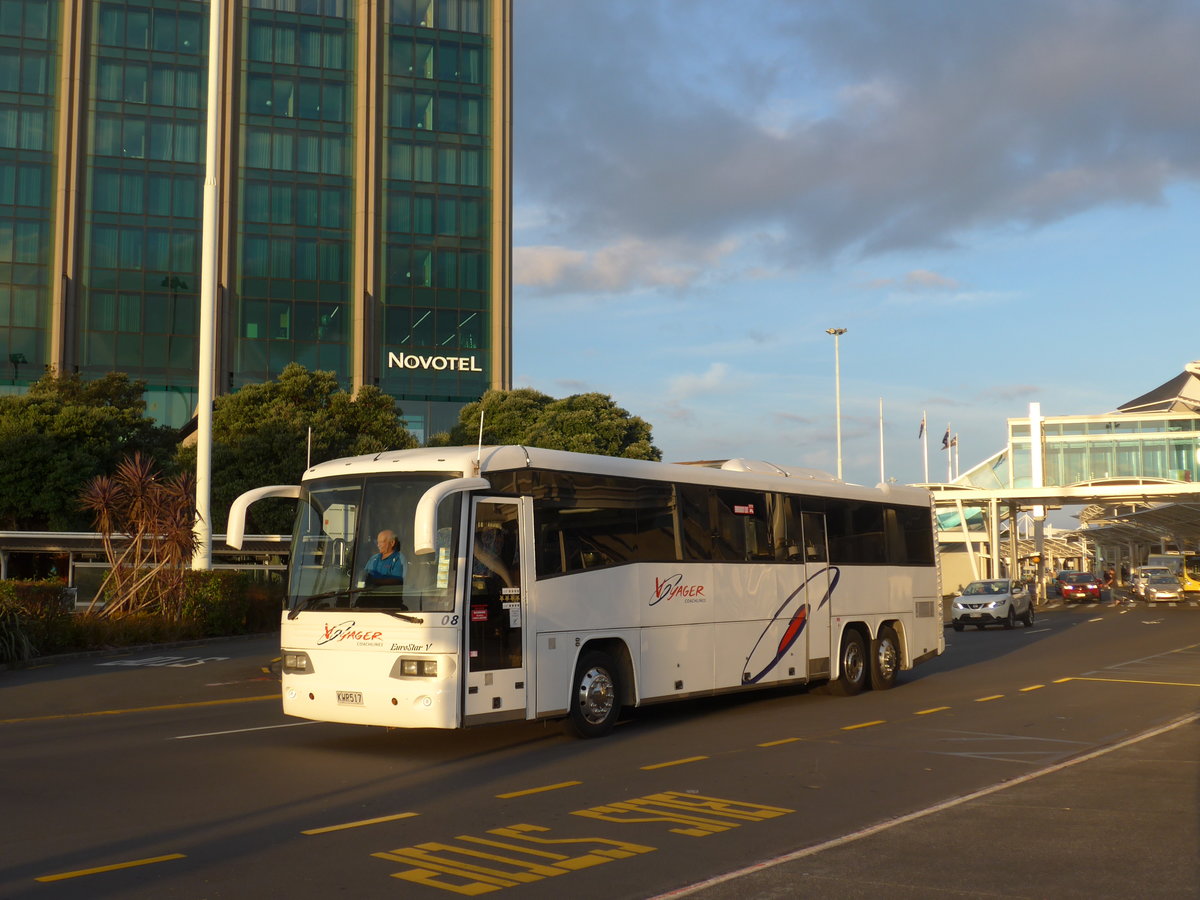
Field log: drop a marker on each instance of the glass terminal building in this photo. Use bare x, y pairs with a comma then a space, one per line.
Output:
365, 195
1134, 472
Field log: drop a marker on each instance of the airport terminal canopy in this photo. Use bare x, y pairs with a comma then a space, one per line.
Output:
1136, 469
1180, 394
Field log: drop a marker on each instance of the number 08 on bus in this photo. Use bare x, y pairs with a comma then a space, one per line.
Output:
453, 586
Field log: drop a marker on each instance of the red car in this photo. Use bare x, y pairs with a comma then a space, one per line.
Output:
1079, 586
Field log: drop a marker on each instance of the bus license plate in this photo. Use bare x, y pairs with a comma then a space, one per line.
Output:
349, 698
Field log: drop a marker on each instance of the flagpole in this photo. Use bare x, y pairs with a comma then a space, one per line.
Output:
925, 445
949, 458
882, 479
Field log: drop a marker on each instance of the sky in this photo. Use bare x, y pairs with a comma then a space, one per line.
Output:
998, 201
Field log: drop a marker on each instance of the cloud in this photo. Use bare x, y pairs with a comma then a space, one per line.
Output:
626, 265
832, 130
921, 279
716, 379
1010, 392
916, 280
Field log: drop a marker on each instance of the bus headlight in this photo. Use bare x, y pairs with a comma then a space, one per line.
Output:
422, 668
296, 662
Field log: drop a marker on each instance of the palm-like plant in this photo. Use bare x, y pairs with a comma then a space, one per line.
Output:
145, 524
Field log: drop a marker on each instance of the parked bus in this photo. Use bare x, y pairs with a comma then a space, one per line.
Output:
545, 584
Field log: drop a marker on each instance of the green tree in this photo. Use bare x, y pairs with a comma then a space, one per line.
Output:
60, 435
260, 437
582, 423
507, 416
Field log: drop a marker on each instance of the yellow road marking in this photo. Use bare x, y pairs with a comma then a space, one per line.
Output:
138, 709
1062, 680
1138, 681
674, 762
62, 876
777, 743
986, 699
864, 724
537, 790
925, 712
1032, 687
359, 824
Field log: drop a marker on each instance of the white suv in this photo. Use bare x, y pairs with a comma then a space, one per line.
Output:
997, 601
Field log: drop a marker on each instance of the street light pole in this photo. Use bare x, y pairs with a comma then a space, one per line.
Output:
837, 393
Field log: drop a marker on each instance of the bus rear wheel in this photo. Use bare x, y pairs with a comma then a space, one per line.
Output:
595, 693
852, 675
885, 659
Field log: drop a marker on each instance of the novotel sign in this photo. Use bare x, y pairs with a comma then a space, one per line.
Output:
436, 363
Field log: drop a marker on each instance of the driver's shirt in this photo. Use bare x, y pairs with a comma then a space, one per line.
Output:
386, 566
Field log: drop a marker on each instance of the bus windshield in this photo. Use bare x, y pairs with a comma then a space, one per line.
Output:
344, 527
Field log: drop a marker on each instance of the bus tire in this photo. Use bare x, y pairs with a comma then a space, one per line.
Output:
853, 665
885, 659
595, 696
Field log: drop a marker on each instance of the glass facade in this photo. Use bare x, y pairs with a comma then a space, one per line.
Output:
295, 209
139, 284
28, 77
364, 207
1085, 449
434, 317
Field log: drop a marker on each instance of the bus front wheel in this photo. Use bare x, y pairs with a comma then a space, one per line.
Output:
852, 677
595, 694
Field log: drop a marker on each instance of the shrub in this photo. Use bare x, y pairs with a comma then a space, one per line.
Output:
15, 645
231, 602
36, 619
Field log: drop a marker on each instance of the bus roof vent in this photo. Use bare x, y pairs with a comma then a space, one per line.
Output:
760, 467
756, 466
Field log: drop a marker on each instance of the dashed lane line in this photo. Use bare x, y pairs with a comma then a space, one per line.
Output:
79, 873
538, 790
674, 762
361, 823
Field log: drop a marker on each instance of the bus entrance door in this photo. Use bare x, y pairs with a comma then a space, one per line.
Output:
495, 615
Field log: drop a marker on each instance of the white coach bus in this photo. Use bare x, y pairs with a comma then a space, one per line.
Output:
542, 584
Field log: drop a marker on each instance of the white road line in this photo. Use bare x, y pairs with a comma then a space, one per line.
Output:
922, 813
184, 737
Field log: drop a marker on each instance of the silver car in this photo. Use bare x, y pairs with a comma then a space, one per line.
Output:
1162, 587
997, 601
1142, 575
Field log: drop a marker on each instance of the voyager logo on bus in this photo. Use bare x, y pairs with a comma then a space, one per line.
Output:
344, 631
673, 588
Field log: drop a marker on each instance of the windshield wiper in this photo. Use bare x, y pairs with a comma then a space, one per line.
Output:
311, 602
416, 620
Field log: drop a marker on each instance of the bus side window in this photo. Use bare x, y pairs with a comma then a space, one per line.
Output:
814, 537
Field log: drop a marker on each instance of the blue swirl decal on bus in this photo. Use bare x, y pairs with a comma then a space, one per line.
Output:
788, 623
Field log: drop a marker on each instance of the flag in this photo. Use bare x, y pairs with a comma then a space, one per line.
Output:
954, 441
946, 439
921, 431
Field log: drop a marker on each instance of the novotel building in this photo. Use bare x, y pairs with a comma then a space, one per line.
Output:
364, 223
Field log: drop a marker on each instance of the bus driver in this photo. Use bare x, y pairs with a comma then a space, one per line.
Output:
386, 566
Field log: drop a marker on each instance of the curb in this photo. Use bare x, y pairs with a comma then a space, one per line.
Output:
37, 661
